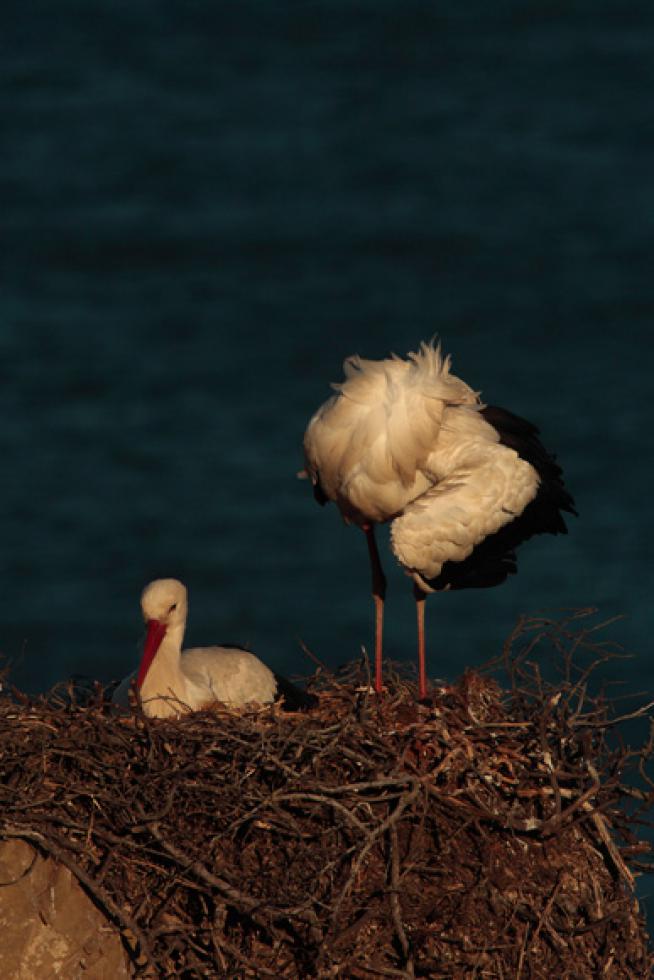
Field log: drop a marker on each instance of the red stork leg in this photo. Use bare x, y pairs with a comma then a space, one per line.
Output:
378, 595
422, 669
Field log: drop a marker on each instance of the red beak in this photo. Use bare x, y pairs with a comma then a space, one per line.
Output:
156, 633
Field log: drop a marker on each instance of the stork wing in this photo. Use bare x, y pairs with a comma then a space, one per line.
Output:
448, 521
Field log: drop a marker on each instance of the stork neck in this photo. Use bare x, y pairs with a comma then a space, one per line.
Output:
165, 675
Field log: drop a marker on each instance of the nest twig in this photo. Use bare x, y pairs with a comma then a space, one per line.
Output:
491, 834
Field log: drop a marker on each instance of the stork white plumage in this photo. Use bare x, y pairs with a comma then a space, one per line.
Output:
463, 484
170, 682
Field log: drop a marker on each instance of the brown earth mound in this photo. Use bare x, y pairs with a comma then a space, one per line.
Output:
49, 927
488, 834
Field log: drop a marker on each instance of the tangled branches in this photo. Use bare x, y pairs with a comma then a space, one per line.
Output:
490, 834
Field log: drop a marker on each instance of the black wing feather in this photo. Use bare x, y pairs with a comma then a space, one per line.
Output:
494, 559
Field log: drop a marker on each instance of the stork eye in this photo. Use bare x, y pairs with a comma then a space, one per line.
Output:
173, 607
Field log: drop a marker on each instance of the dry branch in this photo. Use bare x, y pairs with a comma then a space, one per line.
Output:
492, 834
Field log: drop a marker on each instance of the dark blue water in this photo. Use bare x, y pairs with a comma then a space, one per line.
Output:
204, 208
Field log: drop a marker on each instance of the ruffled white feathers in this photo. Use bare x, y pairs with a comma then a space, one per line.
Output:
404, 440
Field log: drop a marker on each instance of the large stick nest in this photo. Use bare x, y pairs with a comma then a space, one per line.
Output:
490, 834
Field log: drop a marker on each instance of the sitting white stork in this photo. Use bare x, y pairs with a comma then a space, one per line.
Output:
171, 682
463, 484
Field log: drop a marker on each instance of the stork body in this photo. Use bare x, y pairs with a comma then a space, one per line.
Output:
462, 484
171, 682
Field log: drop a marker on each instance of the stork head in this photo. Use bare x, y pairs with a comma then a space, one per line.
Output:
164, 606
165, 601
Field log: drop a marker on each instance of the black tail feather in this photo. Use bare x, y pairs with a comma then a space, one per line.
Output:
522, 436
295, 698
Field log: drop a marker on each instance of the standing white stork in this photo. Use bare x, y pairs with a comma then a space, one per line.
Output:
462, 483
171, 682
